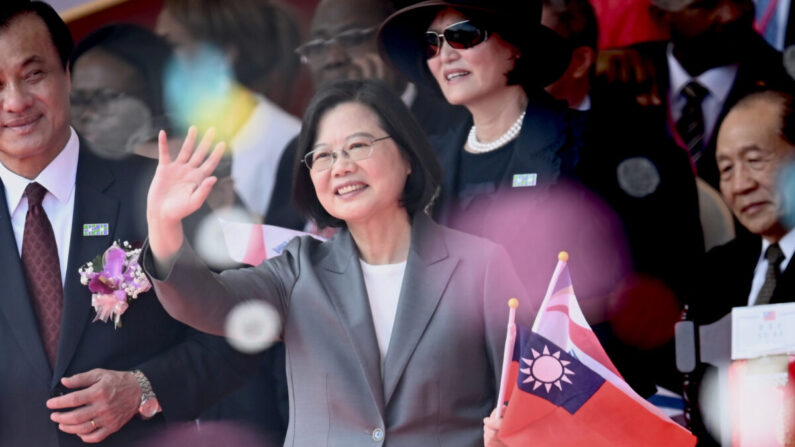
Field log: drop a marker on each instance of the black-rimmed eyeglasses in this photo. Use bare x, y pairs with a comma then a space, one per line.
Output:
459, 35
355, 150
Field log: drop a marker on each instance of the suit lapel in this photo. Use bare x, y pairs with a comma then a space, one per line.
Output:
342, 278
92, 205
428, 271
15, 305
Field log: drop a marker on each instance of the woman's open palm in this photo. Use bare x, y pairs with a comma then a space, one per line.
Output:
181, 186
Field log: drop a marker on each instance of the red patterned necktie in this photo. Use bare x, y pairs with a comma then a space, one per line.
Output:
42, 270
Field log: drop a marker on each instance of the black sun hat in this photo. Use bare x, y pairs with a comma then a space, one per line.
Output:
545, 54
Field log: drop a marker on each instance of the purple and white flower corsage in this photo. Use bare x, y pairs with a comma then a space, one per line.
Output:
114, 278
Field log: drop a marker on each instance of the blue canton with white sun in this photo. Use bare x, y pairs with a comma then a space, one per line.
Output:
547, 371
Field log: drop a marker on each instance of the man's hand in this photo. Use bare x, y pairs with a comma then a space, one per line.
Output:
105, 401
369, 66
491, 426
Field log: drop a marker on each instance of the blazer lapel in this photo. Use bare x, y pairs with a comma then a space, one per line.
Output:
15, 304
428, 271
538, 147
92, 205
342, 277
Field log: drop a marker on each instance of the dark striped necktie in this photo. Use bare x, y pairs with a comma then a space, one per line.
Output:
774, 257
691, 124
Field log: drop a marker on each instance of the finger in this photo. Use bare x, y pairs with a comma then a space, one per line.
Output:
82, 380
209, 165
79, 429
71, 400
367, 67
200, 194
163, 154
97, 435
614, 70
187, 145
204, 145
641, 72
655, 95
75, 417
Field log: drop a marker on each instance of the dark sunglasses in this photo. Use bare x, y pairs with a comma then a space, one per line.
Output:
460, 35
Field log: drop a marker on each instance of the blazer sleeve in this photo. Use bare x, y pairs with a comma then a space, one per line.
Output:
196, 296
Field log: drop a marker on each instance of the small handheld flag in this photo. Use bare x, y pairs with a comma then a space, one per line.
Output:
565, 390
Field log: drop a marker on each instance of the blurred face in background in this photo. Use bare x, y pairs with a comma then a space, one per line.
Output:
750, 154
469, 75
106, 107
715, 30
342, 43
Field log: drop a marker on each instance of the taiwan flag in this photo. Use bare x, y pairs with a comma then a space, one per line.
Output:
566, 390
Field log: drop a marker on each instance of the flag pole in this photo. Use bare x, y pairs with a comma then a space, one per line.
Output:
507, 356
563, 259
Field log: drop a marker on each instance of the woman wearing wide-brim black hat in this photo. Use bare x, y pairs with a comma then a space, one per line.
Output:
495, 58
544, 54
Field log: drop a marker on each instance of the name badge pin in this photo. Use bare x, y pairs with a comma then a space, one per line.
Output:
524, 180
96, 229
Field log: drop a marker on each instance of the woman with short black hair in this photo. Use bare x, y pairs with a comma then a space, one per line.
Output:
394, 328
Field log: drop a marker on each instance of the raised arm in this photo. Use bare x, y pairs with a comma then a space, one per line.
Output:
178, 189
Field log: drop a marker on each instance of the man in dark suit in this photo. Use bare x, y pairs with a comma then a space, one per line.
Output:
652, 189
342, 46
714, 58
756, 140
62, 375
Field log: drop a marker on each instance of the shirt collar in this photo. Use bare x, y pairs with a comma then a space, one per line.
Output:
787, 244
718, 80
58, 177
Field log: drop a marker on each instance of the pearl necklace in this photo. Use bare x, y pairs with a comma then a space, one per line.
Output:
510, 135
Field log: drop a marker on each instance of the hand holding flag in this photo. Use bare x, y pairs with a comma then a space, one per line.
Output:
567, 392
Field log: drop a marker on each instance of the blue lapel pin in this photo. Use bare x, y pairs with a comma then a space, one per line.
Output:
96, 229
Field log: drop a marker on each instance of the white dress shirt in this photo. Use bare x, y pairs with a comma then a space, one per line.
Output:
787, 244
257, 147
59, 202
383, 284
718, 81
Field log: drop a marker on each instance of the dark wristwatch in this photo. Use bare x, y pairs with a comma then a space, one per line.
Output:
149, 405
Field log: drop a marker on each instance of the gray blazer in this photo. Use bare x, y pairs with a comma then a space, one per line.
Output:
442, 367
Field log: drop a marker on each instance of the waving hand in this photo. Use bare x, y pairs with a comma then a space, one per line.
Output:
178, 189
